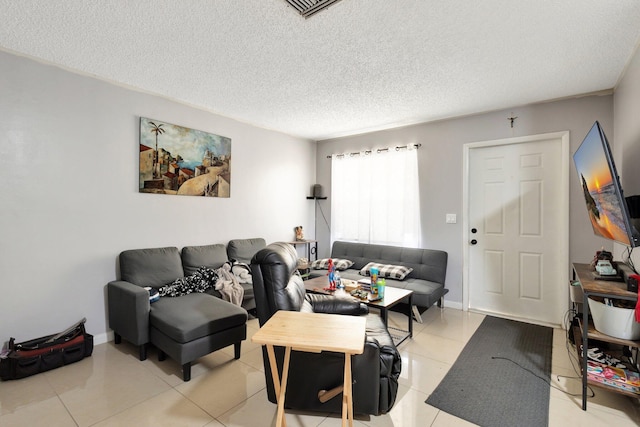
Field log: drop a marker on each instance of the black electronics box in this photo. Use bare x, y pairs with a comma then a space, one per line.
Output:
628, 276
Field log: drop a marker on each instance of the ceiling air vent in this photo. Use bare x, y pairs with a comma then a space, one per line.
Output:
307, 8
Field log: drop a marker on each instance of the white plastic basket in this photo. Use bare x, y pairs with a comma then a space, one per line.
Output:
615, 321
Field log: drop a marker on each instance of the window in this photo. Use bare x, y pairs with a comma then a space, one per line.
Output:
375, 197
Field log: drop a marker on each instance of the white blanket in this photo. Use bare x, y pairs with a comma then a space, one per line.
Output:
229, 286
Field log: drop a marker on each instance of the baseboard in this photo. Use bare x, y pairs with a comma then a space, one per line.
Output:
452, 304
103, 338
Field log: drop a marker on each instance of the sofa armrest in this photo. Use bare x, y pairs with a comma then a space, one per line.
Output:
129, 307
334, 305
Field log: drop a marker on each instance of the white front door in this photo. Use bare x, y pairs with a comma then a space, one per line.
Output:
516, 263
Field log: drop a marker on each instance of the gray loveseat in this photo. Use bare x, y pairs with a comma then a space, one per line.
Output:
185, 327
426, 280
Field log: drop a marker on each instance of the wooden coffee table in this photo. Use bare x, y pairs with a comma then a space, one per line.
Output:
312, 332
392, 296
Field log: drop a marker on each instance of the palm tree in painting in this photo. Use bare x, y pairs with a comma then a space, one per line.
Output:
157, 129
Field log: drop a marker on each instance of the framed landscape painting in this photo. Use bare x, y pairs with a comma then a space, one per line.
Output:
183, 161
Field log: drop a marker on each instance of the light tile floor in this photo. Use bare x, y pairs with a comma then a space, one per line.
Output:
114, 388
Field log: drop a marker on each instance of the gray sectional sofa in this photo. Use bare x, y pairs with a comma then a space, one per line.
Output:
213, 256
184, 327
426, 280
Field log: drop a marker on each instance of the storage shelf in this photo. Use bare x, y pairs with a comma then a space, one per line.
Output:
591, 286
594, 334
311, 247
597, 335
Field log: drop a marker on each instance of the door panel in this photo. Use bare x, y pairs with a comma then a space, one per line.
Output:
515, 199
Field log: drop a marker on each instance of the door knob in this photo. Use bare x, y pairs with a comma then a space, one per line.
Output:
473, 241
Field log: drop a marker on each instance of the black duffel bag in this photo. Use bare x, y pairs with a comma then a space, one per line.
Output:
43, 354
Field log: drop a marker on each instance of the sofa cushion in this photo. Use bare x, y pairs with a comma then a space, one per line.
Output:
212, 256
425, 293
194, 316
388, 271
153, 267
242, 250
323, 264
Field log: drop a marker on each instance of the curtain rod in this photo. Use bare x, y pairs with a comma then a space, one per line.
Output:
379, 150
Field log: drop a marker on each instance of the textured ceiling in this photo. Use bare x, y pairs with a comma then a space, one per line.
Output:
358, 66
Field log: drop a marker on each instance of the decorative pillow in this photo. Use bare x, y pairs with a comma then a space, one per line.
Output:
387, 271
323, 264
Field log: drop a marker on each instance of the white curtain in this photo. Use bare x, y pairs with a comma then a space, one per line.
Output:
375, 199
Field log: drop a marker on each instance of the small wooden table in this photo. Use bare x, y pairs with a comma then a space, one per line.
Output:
312, 332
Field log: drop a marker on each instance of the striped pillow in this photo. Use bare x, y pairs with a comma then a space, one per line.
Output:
323, 264
388, 271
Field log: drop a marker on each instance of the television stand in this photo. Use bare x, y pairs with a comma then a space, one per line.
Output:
585, 331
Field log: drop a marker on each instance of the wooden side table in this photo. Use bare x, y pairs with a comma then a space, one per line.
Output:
311, 247
312, 332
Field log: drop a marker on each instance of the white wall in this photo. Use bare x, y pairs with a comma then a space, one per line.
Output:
70, 203
440, 162
626, 110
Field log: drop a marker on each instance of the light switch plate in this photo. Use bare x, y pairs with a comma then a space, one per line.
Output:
451, 219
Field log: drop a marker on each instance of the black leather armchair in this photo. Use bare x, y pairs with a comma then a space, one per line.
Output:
312, 376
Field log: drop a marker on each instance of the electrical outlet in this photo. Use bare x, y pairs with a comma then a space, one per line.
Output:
451, 219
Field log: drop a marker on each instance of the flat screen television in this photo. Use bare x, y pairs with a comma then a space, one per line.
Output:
606, 205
